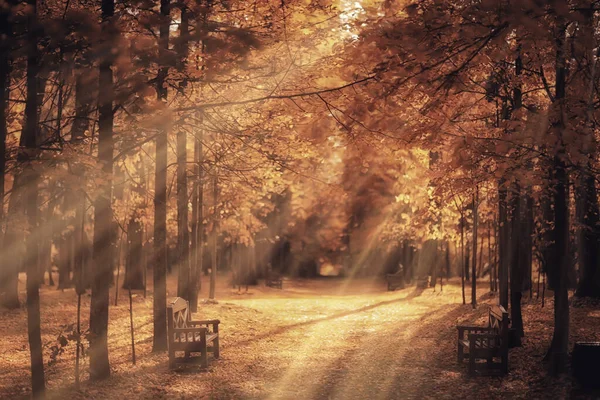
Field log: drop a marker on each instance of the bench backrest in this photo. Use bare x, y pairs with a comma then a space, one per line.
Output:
178, 313
498, 319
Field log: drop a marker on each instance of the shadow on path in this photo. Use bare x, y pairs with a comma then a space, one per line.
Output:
277, 331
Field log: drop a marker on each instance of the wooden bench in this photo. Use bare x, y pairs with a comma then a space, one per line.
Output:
187, 336
489, 343
395, 281
274, 280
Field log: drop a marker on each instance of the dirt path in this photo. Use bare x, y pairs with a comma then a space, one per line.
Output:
312, 340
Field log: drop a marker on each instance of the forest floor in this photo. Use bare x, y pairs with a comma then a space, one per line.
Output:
315, 339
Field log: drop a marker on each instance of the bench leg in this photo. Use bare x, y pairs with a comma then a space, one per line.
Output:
471, 358
203, 352
461, 354
505, 364
216, 347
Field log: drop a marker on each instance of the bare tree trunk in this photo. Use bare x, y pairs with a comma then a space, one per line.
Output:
31, 177
103, 247
197, 223
131, 326
185, 278
490, 261
587, 209
495, 254
503, 244
558, 271
81, 124
215, 236
516, 263
462, 257
160, 198
480, 266
134, 268
9, 276
9, 272
474, 266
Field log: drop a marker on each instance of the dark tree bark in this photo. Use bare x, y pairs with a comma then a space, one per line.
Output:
81, 123
586, 196
516, 262
9, 271
462, 257
183, 234
31, 177
134, 269
468, 262
104, 234
197, 221
160, 196
447, 260
526, 247
503, 244
474, 266
558, 269
215, 237
490, 261
588, 219
65, 249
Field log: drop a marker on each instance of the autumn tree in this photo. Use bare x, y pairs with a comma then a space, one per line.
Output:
103, 216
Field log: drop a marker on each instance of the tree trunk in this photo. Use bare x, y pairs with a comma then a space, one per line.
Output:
462, 258
474, 266
134, 269
527, 243
65, 247
31, 177
480, 265
587, 211
9, 270
103, 252
215, 236
81, 124
6, 31
185, 279
490, 261
503, 244
588, 219
558, 273
183, 259
557, 270
198, 221
468, 262
516, 262
160, 197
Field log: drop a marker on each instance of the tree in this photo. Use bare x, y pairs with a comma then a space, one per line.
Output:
557, 273
183, 236
160, 195
214, 235
9, 278
104, 235
29, 139
474, 264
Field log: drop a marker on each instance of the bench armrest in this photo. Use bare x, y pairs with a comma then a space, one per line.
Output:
205, 322
462, 329
190, 330
484, 340
214, 322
